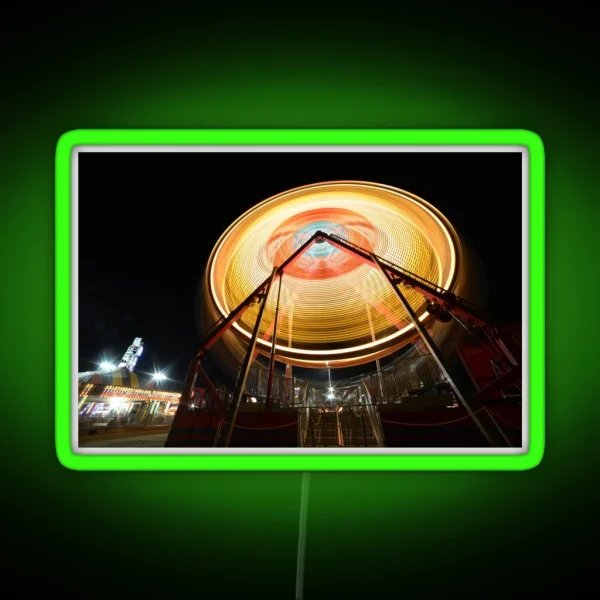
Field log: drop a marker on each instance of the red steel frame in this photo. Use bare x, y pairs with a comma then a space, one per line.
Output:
449, 302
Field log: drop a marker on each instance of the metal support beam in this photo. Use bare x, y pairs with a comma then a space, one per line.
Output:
289, 374
482, 337
394, 275
231, 414
488, 412
503, 381
297, 254
467, 368
190, 379
210, 388
272, 357
221, 327
338, 421
377, 361
506, 353
493, 436
215, 334
426, 288
372, 413
224, 324
362, 427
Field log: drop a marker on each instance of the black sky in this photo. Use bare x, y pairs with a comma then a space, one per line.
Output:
148, 221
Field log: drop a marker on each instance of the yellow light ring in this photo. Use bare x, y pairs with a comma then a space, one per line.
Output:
334, 308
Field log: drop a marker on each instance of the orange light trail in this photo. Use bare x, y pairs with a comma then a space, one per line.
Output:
326, 286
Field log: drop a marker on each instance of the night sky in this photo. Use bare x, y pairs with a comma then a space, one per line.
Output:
147, 224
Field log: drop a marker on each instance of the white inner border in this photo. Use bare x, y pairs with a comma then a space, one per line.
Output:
297, 451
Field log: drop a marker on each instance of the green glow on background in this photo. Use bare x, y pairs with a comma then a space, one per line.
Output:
64, 154
476, 531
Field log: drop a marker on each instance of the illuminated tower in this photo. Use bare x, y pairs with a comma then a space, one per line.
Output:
132, 355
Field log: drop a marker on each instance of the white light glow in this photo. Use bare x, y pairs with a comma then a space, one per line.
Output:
117, 404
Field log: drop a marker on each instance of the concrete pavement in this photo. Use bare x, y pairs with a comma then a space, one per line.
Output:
139, 441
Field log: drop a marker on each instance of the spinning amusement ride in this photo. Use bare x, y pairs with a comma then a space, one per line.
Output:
341, 274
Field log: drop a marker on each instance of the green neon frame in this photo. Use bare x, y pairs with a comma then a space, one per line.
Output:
300, 462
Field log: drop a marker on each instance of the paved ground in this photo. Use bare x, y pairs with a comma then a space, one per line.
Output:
140, 441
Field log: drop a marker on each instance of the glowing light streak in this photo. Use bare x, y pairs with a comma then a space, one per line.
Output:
327, 286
